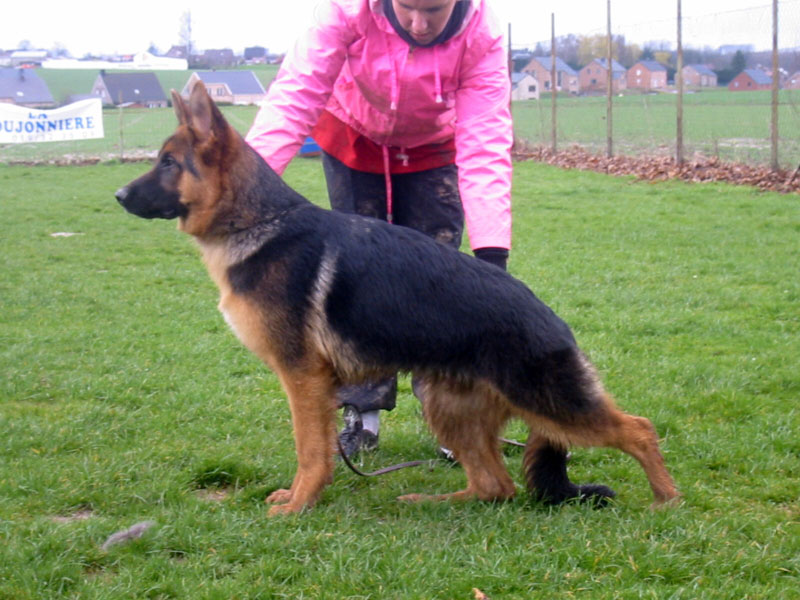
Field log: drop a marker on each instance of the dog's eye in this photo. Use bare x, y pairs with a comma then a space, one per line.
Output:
167, 161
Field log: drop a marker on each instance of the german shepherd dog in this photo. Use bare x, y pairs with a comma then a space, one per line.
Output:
327, 299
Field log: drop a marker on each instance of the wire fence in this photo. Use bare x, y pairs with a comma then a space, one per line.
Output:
723, 85
672, 116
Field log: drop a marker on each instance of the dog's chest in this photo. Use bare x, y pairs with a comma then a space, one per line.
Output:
241, 315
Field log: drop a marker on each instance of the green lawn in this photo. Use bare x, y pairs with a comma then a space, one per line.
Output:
125, 398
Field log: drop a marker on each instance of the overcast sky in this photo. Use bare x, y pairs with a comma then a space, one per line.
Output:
102, 27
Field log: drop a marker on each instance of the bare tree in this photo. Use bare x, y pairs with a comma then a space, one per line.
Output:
59, 50
185, 33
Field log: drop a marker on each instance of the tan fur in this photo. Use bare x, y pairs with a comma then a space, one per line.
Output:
469, 417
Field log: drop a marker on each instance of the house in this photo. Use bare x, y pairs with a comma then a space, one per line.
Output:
540, 68
749, 80
177, 52
218, 58
647, 75
593, 78
524, 87
793, 82
231, 87
129, 89
699, 76
24, 87
255, 55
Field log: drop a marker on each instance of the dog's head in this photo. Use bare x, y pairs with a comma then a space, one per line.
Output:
189, 178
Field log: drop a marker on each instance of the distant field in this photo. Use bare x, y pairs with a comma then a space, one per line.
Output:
731, 125
66, 82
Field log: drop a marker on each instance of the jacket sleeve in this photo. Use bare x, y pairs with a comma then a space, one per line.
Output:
484, 135
301, 89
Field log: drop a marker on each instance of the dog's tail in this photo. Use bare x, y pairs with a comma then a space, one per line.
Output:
545, 468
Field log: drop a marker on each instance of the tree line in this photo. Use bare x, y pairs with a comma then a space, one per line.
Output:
579, 50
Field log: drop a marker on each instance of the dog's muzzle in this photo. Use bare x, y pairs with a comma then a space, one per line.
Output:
121, 194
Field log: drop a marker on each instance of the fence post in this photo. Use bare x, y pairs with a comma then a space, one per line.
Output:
609, 84
679, 82
553, 78
121, 132
776, 77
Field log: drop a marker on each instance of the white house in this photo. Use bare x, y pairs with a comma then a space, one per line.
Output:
524, 87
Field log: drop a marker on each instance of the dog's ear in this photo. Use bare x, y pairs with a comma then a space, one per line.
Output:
180, 107
205, 118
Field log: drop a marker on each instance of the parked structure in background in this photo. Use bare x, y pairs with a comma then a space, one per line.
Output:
566, 77
793, 82
23, 58
593, 78
24, 87
699, 76
218, 58
647, 75
524, 87
130, 90
231, 87
750, 80
255, 55
141, 61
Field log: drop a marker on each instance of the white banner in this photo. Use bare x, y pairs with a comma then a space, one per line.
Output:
81, 120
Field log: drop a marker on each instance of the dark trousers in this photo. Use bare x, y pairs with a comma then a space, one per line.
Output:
427, 201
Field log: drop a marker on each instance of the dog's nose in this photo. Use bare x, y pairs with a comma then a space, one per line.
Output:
121, 194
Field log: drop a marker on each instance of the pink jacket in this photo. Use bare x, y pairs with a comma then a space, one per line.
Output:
353, 63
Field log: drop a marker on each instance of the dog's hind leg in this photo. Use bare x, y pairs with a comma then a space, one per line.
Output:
467, 419
545, 466
637, 436
605, 426
311, 399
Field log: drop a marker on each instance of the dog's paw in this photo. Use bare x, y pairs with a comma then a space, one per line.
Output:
413, 498
668, 503
596, 494
283, 509
279, 497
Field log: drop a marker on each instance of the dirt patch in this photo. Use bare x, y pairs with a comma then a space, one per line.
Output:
655, 168
81, 514
213, 495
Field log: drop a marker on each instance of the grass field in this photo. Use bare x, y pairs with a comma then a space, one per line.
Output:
124, 398
732, 126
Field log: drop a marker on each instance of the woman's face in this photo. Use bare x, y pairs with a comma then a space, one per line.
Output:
423, 19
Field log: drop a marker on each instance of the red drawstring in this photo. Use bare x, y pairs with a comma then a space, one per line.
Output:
387, 175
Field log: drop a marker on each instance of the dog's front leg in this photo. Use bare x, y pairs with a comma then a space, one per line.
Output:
311, 399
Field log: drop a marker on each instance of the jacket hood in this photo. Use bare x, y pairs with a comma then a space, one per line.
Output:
376, 7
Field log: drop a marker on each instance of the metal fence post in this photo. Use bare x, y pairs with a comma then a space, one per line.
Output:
553, 85
609, 85
776, 78
679, 82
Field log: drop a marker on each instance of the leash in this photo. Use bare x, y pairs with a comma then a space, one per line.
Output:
404, 465
383, 471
